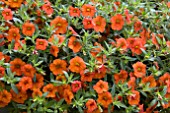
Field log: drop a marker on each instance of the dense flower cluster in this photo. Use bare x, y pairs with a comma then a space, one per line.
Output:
88, 56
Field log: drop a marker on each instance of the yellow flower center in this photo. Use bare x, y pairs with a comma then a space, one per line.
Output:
88, 9
75, 11
7, 13
136, 47
14, 34
139, 69
98, 23
58, 24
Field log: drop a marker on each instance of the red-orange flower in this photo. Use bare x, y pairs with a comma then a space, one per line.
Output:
117, 22
7, 14
28, 70
51, 89
134, 98
56, 39
74, 44
87, 23
16, 66
28, 29
77, 64
132, 83
121, 77
2, 71
88, 10
68, 96
86, 76
75, 86
41, 44
39, 82
25, 83
18, 44
60, 24
13, 33
99, 24
105, 99
149, 79
36, 92
74, 12
138, 26
47, 8
54, 50
15, 3
58, 66
101, 86
91, 105
139, 69
5, 98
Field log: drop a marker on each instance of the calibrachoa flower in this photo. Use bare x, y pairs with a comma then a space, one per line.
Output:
86, 76
75, 86
77, 64
137, 26
101, 86
60, 24
2, 71
39, 82
16, 66
5, 98
87, 22
74, 44
91, 105
54, 50
134, 98
28, 29
25, 83
74, 12
120, 77
105, 99
117, 22
28, 70
58, 66
139, 69
99, 24
36, 92
47, 8
41, 44
15, 3
56, 39
7, 14
149, 79
88, 10
68, 96
13, 33
51, 89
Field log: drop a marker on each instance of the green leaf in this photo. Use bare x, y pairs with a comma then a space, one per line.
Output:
14, 88
119, 104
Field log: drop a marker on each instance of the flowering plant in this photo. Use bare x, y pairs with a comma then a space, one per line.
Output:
86, 56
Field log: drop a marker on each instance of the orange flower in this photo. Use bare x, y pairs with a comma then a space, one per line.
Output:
25, 83
91, 105
138, 26
87, 22
60, 24
16, 66
51, 89
86, 76
28, 70
117, 22
134, 98
61, 78
164, 79
139, 69
28, 29
15, 3
120, 77
47, 8
137, 46
56, 39
39, 82
68, 96
99, 24
74, 12
36, 92
77, 64
5, 98
2, 71
88, 10
75, 86
149, 79
18, 44
121, 43
105, 99
41, 44
74, 44
58, 66
7, 14
20, 97
101, 86
130, 41
13, 33
100, 72
168, 4
132, 83
54, 50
